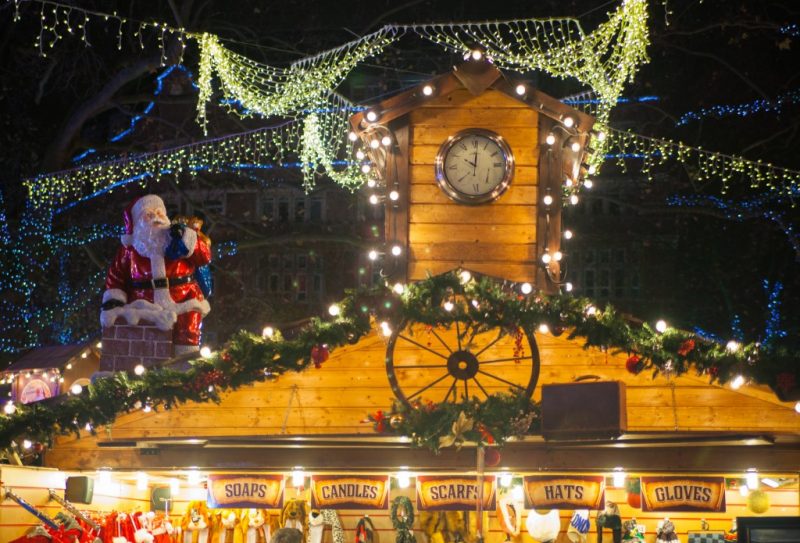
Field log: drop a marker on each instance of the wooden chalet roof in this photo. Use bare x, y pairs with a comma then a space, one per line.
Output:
54, 356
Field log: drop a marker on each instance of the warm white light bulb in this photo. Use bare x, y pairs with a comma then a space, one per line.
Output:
544, 329
427, 90
69, 366
448, 306
142, 480
366, 168
526, 288
372, 116
465, 277
517, 493
371, 183
732, 346
477, 54
588, 183
139, 369
506, 479
546, 258
396, 250
567, 234
27, 444
268, 332
76, 389
601, 136
403, 479
591, 310
386, 330
550, 139
373, 199
394, 195
373, 255
360, 155
99, 345
568, 287
334, 310
298, 478
374, 144
568, 122
398, 288
619, 478
547, 200
576, 146
797, 407
661, 326
352, 136
557, 256
386, 141
737, 382
205, 351
520, 89
592, 169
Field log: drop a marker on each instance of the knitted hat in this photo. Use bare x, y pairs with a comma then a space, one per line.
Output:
133, 212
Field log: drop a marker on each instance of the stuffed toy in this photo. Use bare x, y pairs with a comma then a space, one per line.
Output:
195, 523
665, 532
365, 530
226, 526
509, 515
610, 520
256, 525
317, 520
161, 528
543, 527
141, 534
295, 515
631, 532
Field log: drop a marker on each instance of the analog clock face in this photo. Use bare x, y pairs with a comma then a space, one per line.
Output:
474, 166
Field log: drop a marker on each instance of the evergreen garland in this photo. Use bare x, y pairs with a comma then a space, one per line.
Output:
403, 524
481, 304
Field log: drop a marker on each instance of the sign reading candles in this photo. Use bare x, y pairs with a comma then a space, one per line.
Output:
349, 492
683, 494
453, 493
243, 491
564, 492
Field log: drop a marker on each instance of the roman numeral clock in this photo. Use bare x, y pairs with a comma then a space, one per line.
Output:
472, 167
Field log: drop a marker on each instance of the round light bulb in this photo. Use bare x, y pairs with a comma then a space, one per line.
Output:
366, 168
398, 288
520, 89
268, 332
99, 345
386, 330
448, 305
557, 256
76, 389
386, 141
568, 122
506, 479
517, 493
568, 182
69, 366
732, 346
477, 54
567, 234
372, 116
374, 144
661, 326
373, 199
588, 183
568, 287
465, 277
574, 199
360, 155
737, 382
396, 250
403, 479
601, 136
147, 408
591, 310
352, 136
550, 139
544, 329
427, 90
394, 196
334, 310
139, 369
26, 444
797, 407
576, 146
546, 258
526, 288
205, 351
592, 169
547, 200
373, 255
371, 183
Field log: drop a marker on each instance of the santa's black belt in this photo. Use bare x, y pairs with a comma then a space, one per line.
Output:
165, 282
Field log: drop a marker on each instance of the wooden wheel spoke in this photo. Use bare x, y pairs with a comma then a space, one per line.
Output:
453, 390
515, 385
499, 335
426, 387
480, 386
449, 350
421, 346
458, 335
415, 366
466, 389
496, 360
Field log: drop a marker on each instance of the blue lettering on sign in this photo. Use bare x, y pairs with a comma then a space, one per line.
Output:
580, 523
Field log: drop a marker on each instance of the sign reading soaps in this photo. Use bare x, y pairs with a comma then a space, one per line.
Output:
349, 492
674, 493
242, 491
564, 492
453, 493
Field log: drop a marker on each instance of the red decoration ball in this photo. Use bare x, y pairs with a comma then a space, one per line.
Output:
37, 447
319, 354
491, 457
634, 364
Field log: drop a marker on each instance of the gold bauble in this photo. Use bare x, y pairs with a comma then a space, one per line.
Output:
395, 421
758, 502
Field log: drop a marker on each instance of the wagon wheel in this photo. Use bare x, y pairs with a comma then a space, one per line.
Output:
448, 364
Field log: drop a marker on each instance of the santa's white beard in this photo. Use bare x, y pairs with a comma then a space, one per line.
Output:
150, 239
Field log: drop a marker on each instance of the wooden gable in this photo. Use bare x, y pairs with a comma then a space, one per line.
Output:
503, 238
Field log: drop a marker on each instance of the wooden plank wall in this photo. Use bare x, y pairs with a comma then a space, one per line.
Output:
497, 239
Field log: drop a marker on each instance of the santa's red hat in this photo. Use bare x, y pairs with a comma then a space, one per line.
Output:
134, 210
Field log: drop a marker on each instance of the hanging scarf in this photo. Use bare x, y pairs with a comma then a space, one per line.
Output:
365, 530
316, 526
255, 526
402, 515
509, 514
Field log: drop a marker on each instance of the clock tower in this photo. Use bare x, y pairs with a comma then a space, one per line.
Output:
473, 168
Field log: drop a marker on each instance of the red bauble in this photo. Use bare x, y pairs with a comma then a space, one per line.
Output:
37, 447
491, 457
635, 500
319, 354
634, 364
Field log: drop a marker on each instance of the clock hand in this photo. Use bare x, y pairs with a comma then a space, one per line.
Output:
470, 163
475, 164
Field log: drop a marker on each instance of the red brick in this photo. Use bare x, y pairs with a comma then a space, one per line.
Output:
126, 363
129, 332
113, 347
163, 350
142, 347
108, 333
154, 334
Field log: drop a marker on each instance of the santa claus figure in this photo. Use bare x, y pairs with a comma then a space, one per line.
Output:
152, 276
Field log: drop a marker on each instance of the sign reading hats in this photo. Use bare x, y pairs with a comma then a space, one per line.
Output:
672, 493
243, 491
349, 492
564, 492
453, 493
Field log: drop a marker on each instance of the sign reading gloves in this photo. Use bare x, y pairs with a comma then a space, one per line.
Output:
683, 494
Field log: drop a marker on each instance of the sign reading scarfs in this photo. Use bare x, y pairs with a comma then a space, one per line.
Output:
453, 493
564, 492
349, 492
244, 491
673, 493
